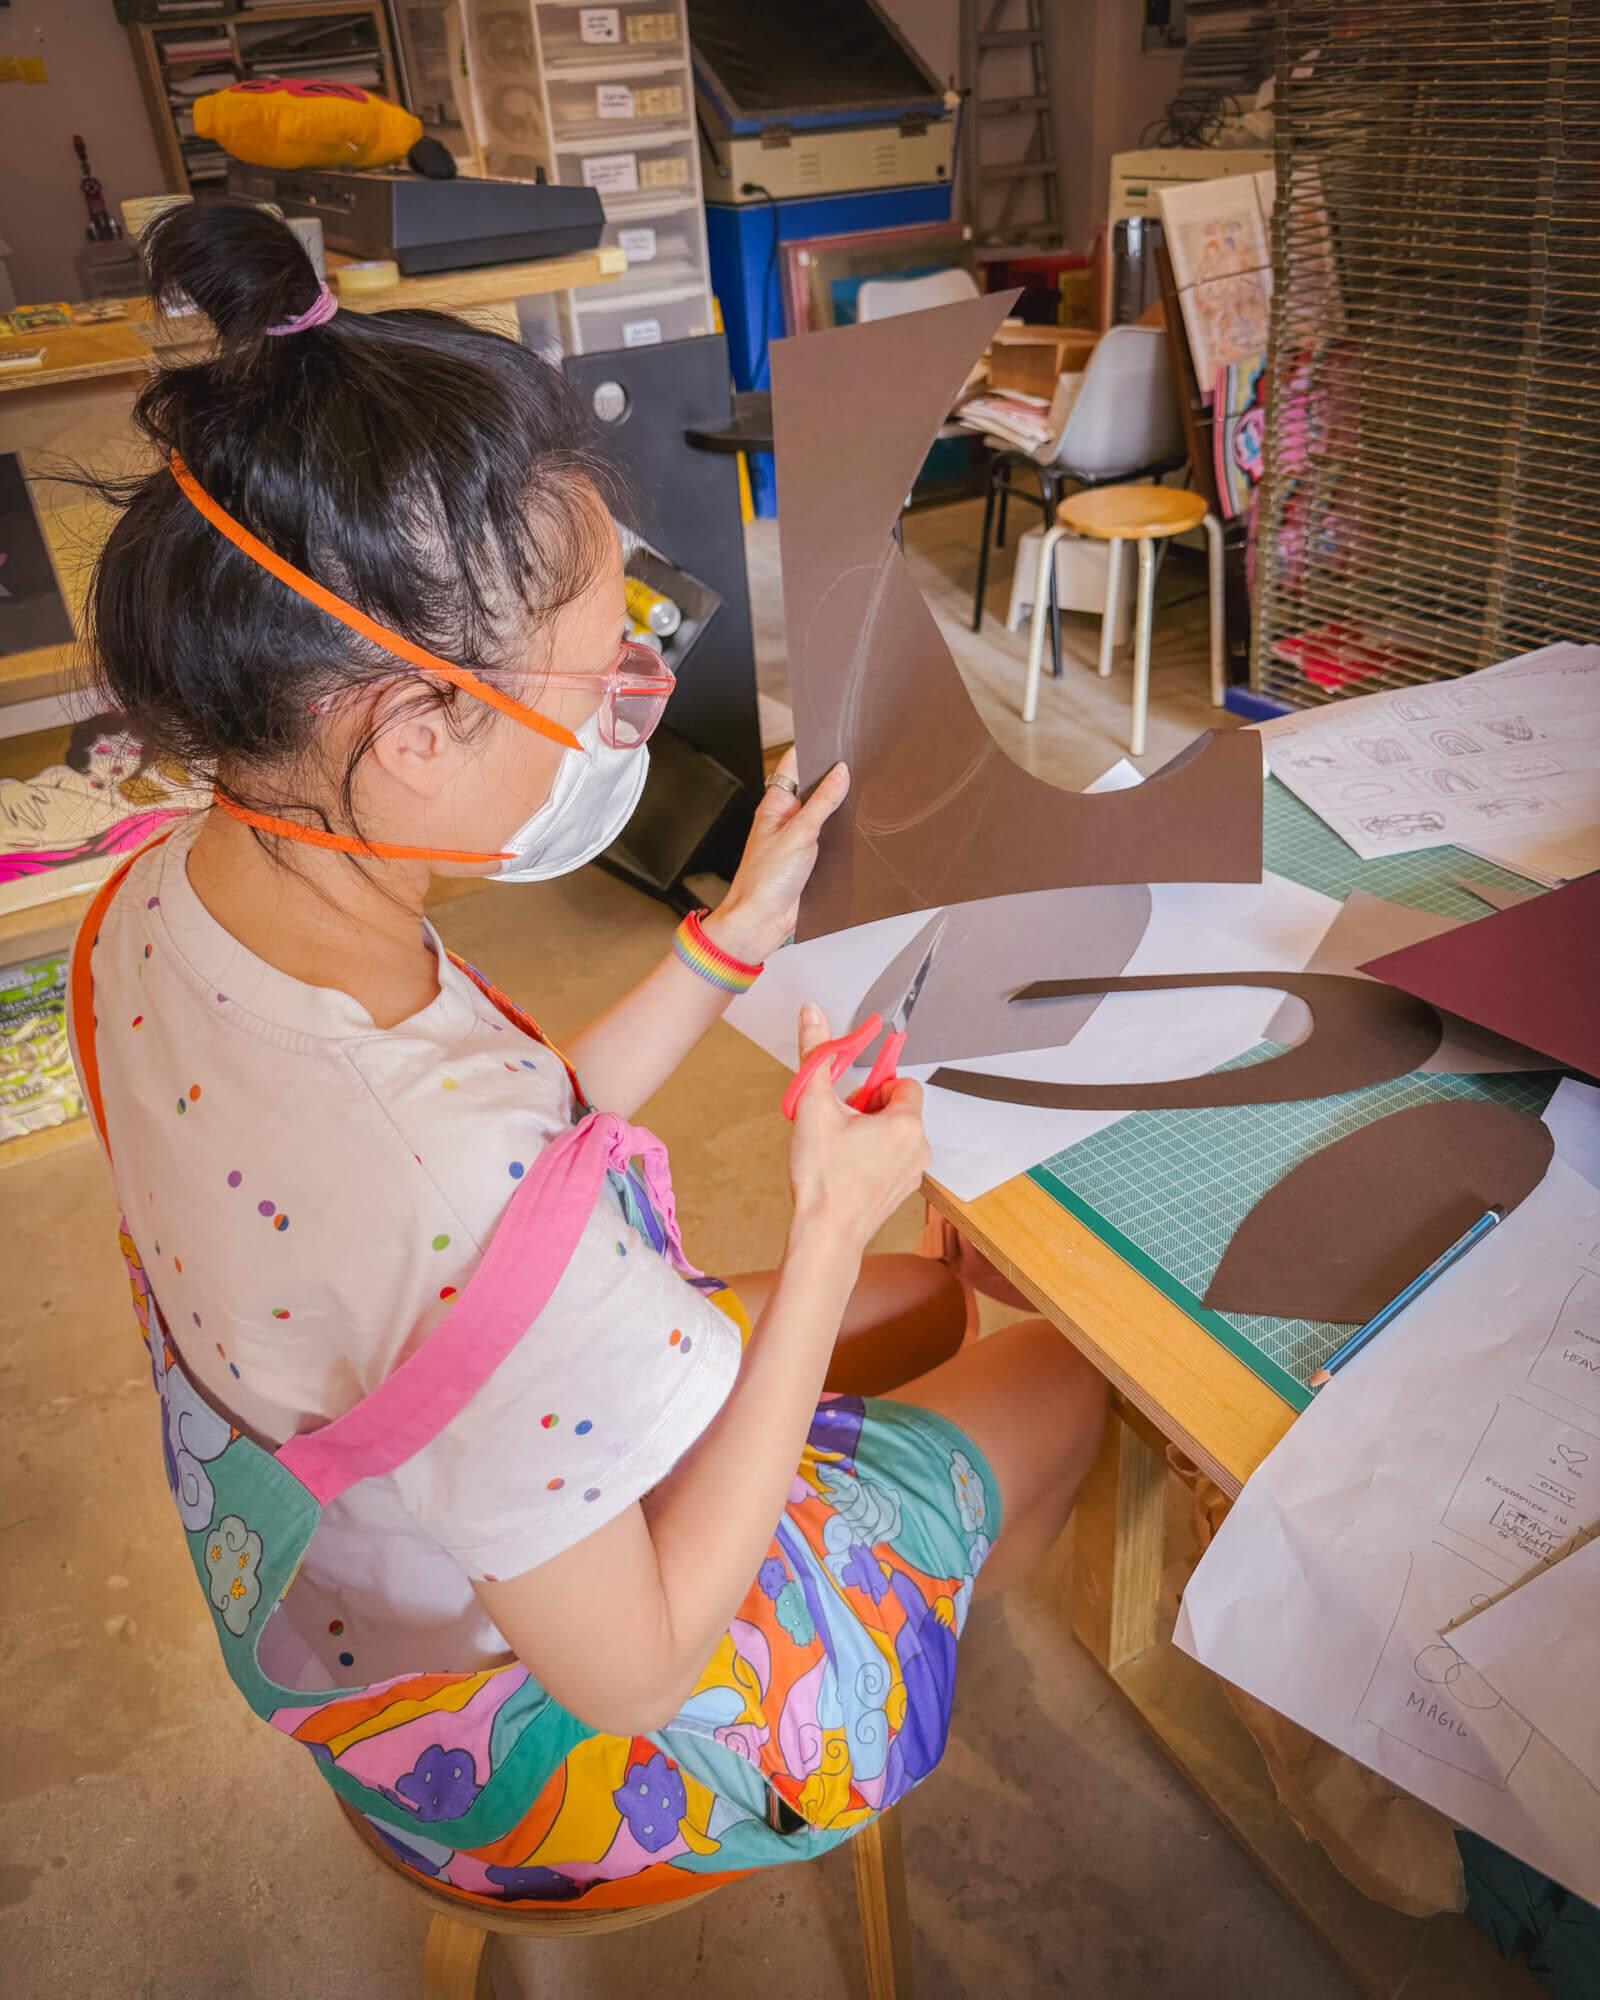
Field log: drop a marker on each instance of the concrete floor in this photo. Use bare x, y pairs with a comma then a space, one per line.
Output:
156, 1841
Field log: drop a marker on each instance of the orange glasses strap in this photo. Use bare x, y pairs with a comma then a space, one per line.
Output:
313, 836
82, 987
357, 621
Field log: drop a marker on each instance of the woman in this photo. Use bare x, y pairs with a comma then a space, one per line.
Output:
494, 1497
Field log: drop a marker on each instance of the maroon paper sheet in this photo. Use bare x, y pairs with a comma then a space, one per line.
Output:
1531, 972
938, 814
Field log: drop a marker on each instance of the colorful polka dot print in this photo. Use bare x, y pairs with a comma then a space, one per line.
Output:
441, 1241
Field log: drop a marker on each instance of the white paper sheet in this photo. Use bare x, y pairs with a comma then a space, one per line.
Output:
1537, 1650
1509, 753
1266, 926
1451, 1459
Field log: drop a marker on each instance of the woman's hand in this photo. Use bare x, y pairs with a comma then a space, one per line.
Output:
851, 1170
760, 908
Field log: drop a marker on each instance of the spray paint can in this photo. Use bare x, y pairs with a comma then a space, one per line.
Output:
649, 607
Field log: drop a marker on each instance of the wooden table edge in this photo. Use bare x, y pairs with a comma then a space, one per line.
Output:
1208, 1403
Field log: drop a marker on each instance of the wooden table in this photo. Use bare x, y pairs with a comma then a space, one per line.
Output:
1173, 1382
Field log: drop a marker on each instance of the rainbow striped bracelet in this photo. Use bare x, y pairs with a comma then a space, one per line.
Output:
708, 961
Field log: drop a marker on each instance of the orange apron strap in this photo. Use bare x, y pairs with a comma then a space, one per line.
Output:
82, 986
515, 1015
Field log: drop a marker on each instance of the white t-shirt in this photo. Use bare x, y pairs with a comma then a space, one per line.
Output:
308, 1192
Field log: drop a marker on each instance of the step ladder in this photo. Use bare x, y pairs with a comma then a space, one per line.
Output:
1011, 178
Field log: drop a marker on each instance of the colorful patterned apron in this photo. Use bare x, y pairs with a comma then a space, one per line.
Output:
828, 1698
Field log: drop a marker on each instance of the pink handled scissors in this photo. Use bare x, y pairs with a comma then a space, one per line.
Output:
840, 1054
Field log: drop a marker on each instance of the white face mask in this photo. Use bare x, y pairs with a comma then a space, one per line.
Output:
591, 801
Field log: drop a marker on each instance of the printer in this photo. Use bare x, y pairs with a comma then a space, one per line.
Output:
429, 225
798, 98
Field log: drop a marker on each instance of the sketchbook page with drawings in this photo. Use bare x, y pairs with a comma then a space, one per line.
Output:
1514, 750
1458, 1457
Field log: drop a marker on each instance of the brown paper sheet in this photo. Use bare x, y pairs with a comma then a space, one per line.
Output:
938, 813
1531, 972
1496, 897
1345, 1231
1366, 926
1361, 1032
987, 951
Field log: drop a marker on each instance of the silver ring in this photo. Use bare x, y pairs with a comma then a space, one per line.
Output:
784, 783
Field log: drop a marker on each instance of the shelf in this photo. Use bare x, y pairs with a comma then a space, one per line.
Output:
42, 927
617, 142
621, 301
53, 1139
609, 72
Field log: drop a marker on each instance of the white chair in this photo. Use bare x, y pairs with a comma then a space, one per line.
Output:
888, 298
1124, 425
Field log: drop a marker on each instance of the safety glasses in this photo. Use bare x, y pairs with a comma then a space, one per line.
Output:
638, 685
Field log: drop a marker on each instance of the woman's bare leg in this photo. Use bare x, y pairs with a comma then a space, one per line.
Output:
1035, 1409
906, 1315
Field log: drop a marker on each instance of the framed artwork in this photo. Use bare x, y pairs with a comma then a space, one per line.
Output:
822, 274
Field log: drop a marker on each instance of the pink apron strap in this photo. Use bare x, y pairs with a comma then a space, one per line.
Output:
522, 1266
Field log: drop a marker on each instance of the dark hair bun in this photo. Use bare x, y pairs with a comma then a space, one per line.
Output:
244, 268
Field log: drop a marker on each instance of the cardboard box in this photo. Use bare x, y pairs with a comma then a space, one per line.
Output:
1028, 359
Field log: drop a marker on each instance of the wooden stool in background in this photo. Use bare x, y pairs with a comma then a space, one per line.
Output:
455, 1958
1115, 514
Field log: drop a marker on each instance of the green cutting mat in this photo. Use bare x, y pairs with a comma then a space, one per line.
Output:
1167, 1189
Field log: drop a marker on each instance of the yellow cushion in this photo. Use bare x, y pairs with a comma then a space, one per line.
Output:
304, 123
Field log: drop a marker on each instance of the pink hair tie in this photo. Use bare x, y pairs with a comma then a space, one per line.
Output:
321, 309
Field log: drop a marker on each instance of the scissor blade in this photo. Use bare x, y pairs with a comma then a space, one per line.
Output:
900, 1019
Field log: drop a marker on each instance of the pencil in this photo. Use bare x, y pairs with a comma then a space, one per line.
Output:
1419, 1284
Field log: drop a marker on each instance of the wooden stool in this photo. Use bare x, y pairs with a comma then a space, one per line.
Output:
455, 1958
1115, 514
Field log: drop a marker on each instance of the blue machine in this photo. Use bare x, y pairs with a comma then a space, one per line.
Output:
745, 275
817, 118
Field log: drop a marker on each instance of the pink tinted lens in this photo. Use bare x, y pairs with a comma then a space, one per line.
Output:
638, 695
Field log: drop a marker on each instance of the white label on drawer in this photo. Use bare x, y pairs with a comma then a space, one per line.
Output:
613, 100
641, 333
612, 173
637, 245
600, 24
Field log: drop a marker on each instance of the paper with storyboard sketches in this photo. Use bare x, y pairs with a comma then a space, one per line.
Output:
1536, 1649
1348, 1228
937, 813
1459, 1453
1511, 752
1531, 972
1368, 926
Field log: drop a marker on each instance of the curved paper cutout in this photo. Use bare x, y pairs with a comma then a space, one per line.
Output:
1347, 1229
987, 951
937, 812
1361, 1033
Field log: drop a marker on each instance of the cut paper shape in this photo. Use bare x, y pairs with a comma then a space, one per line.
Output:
1346, 1230
1365, 926
1361, 1033
1531, 972
937, 813
990, 949
1497, 898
